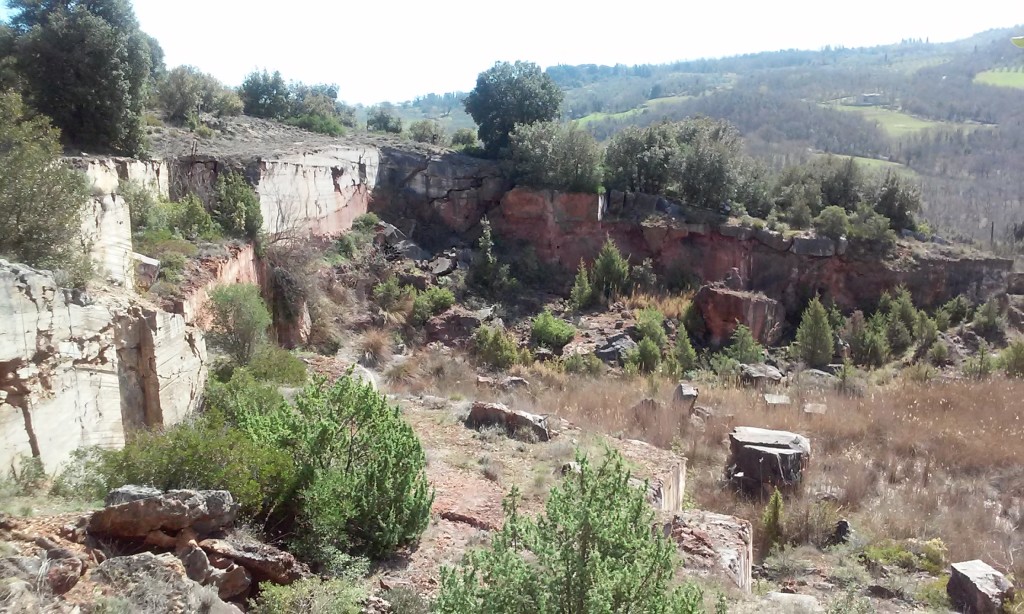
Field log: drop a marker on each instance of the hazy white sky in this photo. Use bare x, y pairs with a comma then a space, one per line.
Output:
395, 50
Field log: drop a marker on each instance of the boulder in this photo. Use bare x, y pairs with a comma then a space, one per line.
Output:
724, 309
816, 378
773, 239
203, 511
264, 562
614, 349
515, 422
766, 459
820, 247
777, 400
130, 492
146, 269
685, 396
453, 327
759, 375
976, 588
136, 577
443, 266
714, 545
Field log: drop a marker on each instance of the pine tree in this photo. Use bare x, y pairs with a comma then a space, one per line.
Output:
771, 521
611, 272
814, 337
743, 348
683, 354
582, 295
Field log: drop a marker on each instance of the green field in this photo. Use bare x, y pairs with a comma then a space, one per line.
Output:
880, 165
1001, 78
650, 105
897, 124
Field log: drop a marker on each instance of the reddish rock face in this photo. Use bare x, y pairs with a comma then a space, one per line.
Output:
564, 228
724, 310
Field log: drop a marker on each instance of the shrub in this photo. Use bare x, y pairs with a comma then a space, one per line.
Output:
406, 601
582, 294
239, 321
942, 320
427, 131
551, 332
310, 596
871, 228
366, 222
897, 334
772, 522
610, 274
650, 324
394, 300
238, 207
140, 201
683, 356
383, 119
902, 307
815, 345
832, 222
582, 364
958, 308
644, 358
496, 348
926, 331
875, 349
464, 137
368, 492
979, 367
275, 364
432, 301
40, 198
938, 353
989, 321
643, 278
1012, 359
315, 122
486, 273
205, 453
227, 103
189, 218
743, 348
591, 550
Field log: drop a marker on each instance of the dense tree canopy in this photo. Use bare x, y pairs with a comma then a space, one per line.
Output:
40, 199
265, 95
507, 95
549, 155
87, 66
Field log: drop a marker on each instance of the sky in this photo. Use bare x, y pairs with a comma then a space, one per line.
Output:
397, 49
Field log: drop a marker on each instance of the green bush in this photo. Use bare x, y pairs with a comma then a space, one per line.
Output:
368, 491
365, 223
551, 332
205, 453
1012, 359
610, 275
591, 550
650, 324
980, 366
989, 321
897, 334
832, 222
238, 207
383, 119
772, 521
875, 352
429, 303
310, 596
496, 348
394, 299
644, 358
582, 364
902, 306
682, 358
486, 273
815, 345
958, 308
463, 138
554, 155
582, 294
428, 131
227, 103
315, 122
238, 321
274, 364
140, 201
938, 353
189, 218
743, 348
871, 228
942, 320
926, 331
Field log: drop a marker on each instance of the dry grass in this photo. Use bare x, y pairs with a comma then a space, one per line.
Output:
375, 347
909, 460
673, 306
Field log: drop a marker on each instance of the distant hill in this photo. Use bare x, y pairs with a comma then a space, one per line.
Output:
951, 114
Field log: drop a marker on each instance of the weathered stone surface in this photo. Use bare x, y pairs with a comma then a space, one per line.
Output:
815, 378
763, 458
204, 511
232, 583
977, 588
130, 492
685, 396
1015, 283
815, 409
135, 578
777, 400
77, 373
773, 239
664, 470
714, 545
614, 349
146, 269
453, 327
443, 266
264, 562
759, 375
818, 247
724, 310
513, 420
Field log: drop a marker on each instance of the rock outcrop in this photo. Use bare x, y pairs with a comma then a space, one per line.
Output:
766, 459
976, 588
723, 310
714, 545
78, 371
516, 422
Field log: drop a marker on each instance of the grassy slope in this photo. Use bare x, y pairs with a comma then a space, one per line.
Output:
1001, 78
898, 124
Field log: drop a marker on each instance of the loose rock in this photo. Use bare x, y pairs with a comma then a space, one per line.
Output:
977, 588
514, 421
